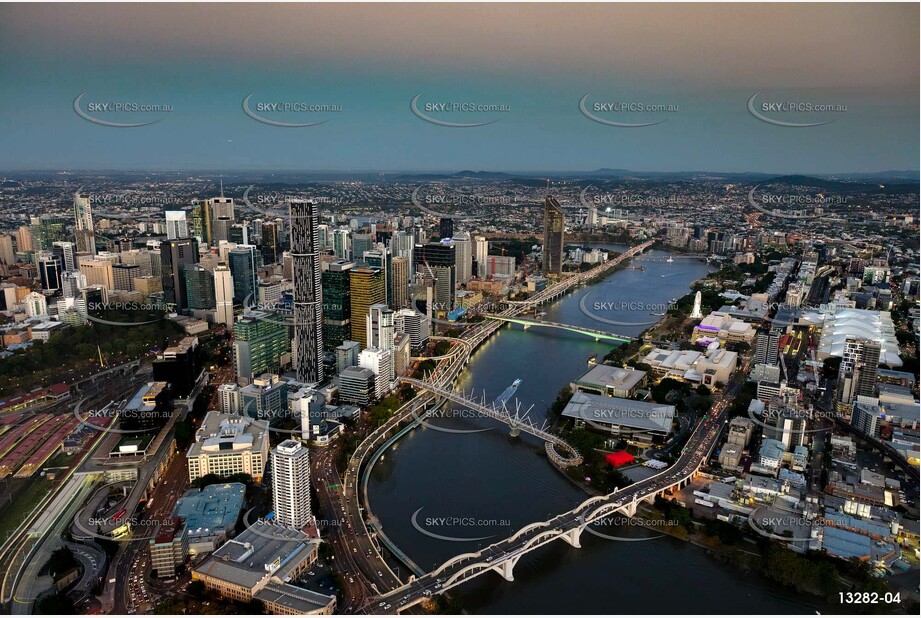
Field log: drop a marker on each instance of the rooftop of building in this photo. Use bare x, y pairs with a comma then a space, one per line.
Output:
261, 551
608, 376
214, 509
642, 415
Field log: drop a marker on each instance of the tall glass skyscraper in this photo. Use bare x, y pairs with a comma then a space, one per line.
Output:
337, 305
308, 293
242, 261
367, 288
554, 226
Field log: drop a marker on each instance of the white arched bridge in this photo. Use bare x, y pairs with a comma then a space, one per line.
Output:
598, 335
502, 557
518, 423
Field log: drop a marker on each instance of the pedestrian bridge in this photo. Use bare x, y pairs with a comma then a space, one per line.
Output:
598, 335
558, 450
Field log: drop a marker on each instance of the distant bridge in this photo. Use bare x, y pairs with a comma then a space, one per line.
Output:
598, 335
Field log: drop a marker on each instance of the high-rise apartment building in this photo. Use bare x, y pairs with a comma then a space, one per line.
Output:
223, 295
291, 484
400, 283
84, 230
308, 291
554, 229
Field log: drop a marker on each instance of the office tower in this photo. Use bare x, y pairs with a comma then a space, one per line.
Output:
366, 288
71, 283
402, 244
498, 266
47, 230
123, 276
265, 398
342, 244
379, 362
379, 327
858, 371
242, 261
174, 254
308, 293
347, 355
36, 304
361, 243
269, 292
223, 295
554, 227
199, 283
143, 258
220, 229
99, 272
464, 257
7, 255
180, 366
229, 398
480, 251
83, 218
222, 206
323, 236
240, 234
380, 257
291, 484
400, 283
177, 226
766, 346
402, 355
337, 306
866, 417
357, 385
49, 272
269, 242
24, 240
414, 324
446, 228
435, 261
200, 221
67, 253
260, 339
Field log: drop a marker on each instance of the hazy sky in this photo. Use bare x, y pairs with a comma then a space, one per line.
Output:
701, 62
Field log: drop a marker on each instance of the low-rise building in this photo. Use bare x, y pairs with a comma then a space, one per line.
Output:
259, 564
228, 444
610, 381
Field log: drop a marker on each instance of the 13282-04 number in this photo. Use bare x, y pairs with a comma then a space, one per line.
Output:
869, 598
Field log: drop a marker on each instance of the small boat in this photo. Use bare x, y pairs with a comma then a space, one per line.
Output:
517, 383
657, 314
670, 259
